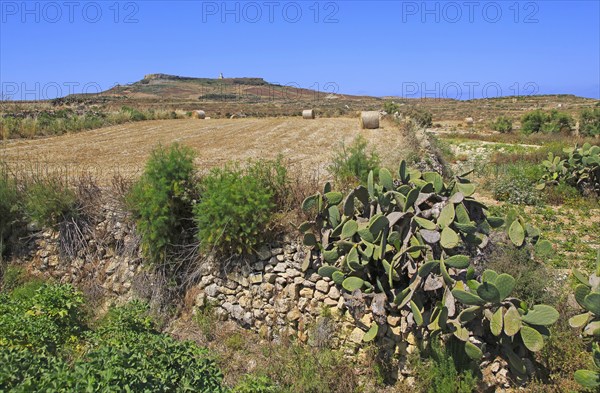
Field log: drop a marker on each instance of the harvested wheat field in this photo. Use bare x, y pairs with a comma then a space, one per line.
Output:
126, 147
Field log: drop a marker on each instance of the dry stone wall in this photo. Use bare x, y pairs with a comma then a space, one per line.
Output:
270, 294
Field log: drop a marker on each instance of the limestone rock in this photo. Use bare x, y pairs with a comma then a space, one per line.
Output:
322, 286
263, 253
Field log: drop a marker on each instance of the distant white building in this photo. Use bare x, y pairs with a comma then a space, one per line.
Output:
221, 76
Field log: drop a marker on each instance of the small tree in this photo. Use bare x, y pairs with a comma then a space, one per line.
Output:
589, 122
553, 121
161, 201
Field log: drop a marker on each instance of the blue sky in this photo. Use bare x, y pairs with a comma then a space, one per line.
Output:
455, 49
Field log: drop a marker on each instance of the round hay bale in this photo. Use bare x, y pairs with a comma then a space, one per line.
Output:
308, 114
469, 121
198, 114
369, 120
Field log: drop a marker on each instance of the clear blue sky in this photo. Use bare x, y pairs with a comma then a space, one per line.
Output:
455, 49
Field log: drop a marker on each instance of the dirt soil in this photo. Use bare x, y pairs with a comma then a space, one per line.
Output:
125, 148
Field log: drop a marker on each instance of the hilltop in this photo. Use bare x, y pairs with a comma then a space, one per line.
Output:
248, 89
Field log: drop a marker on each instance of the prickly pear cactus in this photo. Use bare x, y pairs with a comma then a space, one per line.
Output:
580, 168
522, 234
409, 238
590, 378
587, 294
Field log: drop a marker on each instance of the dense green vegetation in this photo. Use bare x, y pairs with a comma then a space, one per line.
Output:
162, 201
233, 211
589, 122
546, 122
47, 345
9, 213
502, 124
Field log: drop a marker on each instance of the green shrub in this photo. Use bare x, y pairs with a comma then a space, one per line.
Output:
132, 317
560, 194
547, 122
50, 201
352, 164
589, 122
502, 124
9, 127
520, 191
298, 369
439, 372
9, 208
42, 322
391, 107
422, 117
13, 276
273, 175
134, 114
150, 362
206, 319
532, 279
161, 201
234, 210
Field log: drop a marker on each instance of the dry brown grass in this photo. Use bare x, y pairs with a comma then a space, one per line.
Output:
125, 148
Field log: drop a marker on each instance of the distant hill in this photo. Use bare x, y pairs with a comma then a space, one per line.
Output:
253, 96
181, 88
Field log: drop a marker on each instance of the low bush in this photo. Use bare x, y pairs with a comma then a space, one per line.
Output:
391, 107
142, 359
234, 210
421, 117
50, 201
298, 369
12, 277
9, 208
516, 190
134, 114
64, 121
438, 373
546, 122
532, 278
42, 321
589, 122
515, 181
352, 164
563, 355
560, 194
273, 175
162, 200
502, 124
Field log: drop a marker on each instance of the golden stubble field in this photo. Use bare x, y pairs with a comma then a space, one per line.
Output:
308, 144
